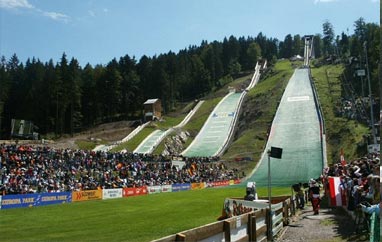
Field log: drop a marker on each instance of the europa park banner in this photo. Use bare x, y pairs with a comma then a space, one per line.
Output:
35, 199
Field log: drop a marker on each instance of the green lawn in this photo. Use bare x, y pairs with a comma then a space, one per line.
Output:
141, 218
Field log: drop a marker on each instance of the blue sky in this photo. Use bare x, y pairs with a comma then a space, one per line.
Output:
95, 31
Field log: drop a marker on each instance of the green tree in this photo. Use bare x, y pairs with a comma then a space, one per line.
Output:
51, 91
286, 47
298, 45
343, 45
328, 37
74, 109
317, 45
4, 91
254, 54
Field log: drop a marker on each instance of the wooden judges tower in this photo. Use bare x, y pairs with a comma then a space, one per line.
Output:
152, 109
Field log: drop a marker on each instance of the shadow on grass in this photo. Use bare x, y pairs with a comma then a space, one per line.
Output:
343, 223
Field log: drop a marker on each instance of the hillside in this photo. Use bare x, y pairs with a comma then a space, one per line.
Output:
255, 119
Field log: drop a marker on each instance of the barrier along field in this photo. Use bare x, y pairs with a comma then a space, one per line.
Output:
242, 221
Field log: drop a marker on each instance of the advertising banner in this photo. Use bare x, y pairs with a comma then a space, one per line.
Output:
35, 199
181, 187
154, 189
112, 193
166, 188
0, 202
219, 184
134, 191
87, 195
196, 186
234, 207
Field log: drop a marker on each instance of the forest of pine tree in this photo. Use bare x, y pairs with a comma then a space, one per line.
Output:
63, 97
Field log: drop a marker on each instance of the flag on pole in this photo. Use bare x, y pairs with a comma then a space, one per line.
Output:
343, 161
336, 192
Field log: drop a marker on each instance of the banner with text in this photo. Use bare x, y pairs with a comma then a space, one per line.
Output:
134, 191
154, 189
197, 186
166, 188
87, 195
218, 184
112, 193
181, 187
38, 199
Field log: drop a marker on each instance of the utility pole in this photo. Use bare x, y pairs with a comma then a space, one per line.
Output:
370, 96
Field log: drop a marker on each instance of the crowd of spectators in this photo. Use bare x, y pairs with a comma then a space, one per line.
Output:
29, 169
354, 110
360, 180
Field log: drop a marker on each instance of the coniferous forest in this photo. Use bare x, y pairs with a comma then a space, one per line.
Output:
63, 97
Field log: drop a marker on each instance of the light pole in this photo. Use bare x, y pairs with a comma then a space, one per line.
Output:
274, 152
269, 196
370, 97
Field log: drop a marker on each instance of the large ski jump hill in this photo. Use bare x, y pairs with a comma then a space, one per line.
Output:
296, 129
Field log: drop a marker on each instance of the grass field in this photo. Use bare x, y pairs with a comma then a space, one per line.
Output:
141, 218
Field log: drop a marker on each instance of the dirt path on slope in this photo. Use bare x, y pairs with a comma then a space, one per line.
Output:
331, 225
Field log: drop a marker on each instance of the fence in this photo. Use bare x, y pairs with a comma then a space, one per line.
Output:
250, 226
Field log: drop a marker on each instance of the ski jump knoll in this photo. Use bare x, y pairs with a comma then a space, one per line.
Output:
216, 132
213, 138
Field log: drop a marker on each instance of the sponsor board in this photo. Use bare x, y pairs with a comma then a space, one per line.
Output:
87, 195
218, 184
38, 199
154, 189
134, 191
166, 188
0, 202
111, 193
197, 186
181, 187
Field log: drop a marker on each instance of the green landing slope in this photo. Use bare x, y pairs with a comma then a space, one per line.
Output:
295, 129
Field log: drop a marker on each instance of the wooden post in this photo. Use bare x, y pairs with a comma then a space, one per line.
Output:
180, 237
227, 231
249, 225
253, 229
285, 213
293, 207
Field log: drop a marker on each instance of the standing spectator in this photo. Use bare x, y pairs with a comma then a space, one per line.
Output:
314, 196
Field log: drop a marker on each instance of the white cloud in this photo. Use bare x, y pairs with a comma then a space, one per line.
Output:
57, 16
15, 4
24, 4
